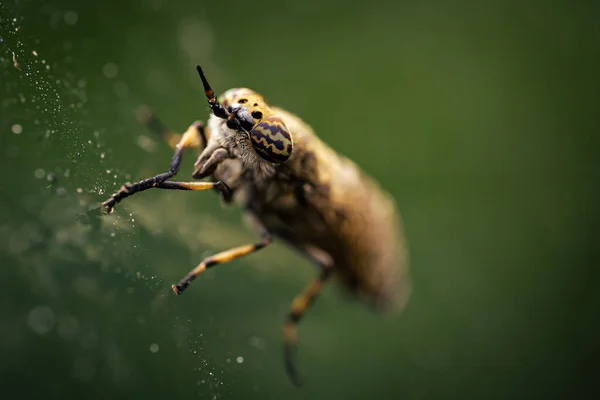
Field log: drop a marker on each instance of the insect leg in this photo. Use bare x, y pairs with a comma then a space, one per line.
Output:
147, 118
208, 162
221, 258
300, 305
190, 139
220, 185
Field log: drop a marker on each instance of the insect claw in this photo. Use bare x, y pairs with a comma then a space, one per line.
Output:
176, 289
290, 365
108, 207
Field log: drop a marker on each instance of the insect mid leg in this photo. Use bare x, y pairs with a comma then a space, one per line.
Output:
224, 257
220, 258
300, 305
192, 138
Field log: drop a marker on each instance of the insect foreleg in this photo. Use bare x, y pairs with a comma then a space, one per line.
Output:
223, 257
192, 138
147, 118
221, 186
209, 161
300, 305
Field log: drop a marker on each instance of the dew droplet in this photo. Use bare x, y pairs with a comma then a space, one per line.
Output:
71, 17
110, 70
154, 348
41, 319
17, 129
39, 173
240, 359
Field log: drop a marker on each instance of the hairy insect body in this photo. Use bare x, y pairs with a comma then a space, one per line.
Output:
293, 187
320, 201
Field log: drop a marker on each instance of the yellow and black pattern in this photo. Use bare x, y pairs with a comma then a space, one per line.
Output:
233, 95
272, 140
221, 258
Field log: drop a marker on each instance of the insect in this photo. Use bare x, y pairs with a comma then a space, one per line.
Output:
294, 188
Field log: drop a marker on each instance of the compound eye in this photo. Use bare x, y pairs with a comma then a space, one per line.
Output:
271, 140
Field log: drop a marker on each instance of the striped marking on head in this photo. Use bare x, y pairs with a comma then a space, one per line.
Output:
271, 140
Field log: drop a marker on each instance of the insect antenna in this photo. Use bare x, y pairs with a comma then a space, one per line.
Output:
216, 107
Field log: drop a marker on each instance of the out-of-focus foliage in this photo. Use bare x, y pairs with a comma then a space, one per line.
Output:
480, 118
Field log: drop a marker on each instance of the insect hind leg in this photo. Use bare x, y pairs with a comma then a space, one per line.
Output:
300, 305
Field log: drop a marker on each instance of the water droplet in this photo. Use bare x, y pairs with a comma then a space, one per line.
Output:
41, 319
154, 348
240, 359
110, 70
256, 342
39, 173
71, 17
17, 129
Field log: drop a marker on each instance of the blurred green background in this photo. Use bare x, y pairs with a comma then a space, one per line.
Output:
479, 117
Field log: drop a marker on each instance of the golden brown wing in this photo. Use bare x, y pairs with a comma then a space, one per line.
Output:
361, 229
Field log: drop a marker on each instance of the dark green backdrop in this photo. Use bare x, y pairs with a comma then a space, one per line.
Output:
479, 117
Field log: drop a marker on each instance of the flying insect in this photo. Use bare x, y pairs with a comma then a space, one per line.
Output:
295, 188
